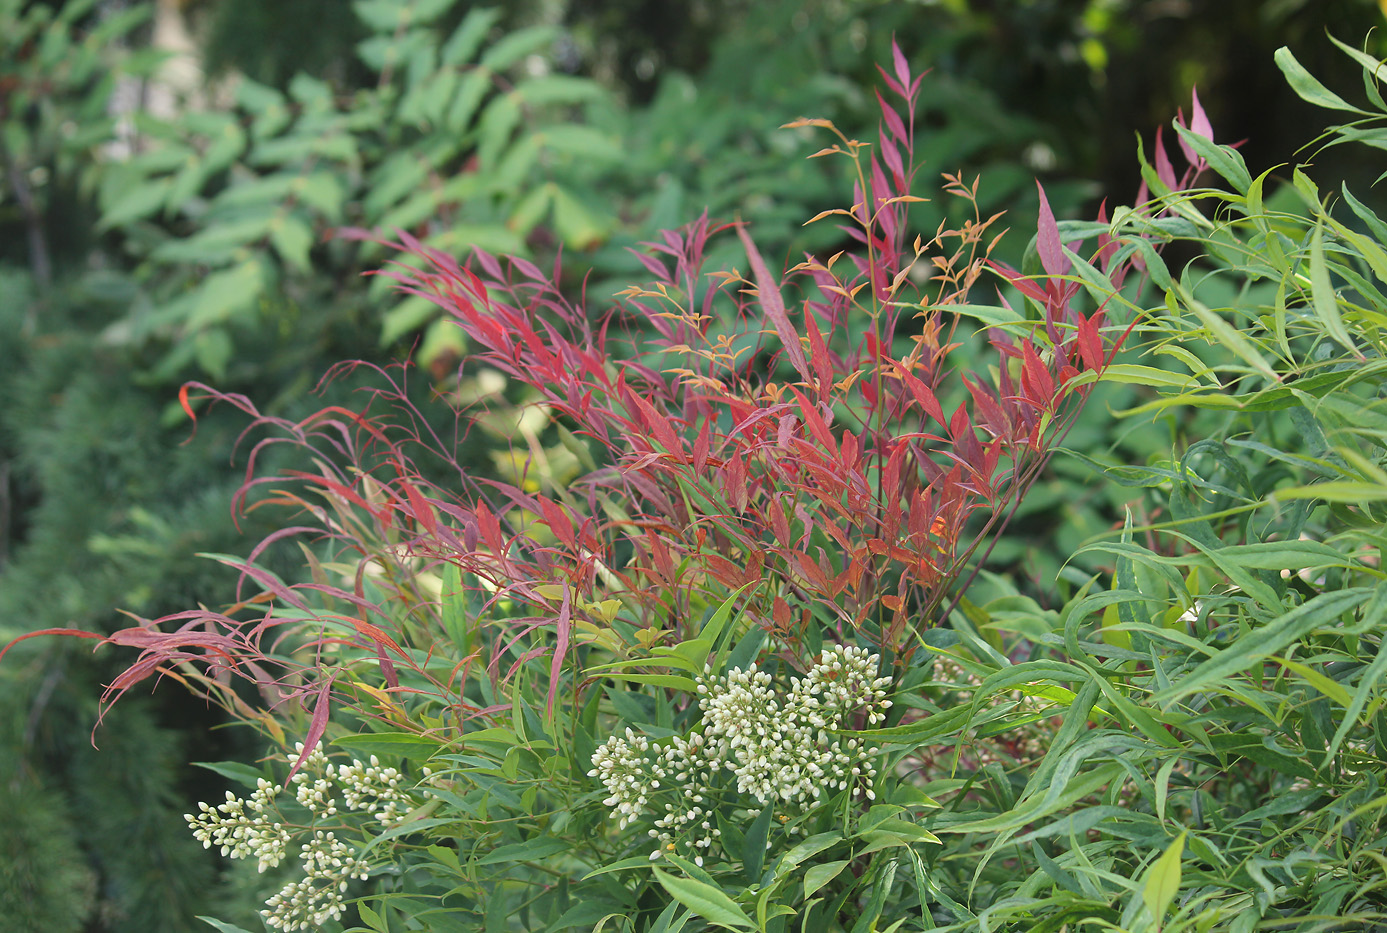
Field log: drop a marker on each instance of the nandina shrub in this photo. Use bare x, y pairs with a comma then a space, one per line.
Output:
819, 467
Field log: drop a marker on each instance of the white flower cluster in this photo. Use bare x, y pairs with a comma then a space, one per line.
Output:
242, 829
780, 753
375, 790
328, 865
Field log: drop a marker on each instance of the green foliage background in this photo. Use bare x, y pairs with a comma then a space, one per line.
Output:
104, 498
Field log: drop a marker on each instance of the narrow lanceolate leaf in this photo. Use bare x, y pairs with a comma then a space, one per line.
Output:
1307, 86
1258, 645
1322, 295
706, 901
768, 291
222, 925
317, 726
1047, 238
1222, 159
1230, 337
1163, 880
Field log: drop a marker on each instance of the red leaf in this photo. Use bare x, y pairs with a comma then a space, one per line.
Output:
1164, 170
823, 366
923, 394
780, 527
558, 520
960, 427
1036, 382
183, 400
1022, 284
768, 292
1199, 124
734, 482
73, 632
1047, 238
892, 120
419, 505
564, 628
657, 423
701, 445
816, 424
1090, 340
892, 157
898, 59
316, 728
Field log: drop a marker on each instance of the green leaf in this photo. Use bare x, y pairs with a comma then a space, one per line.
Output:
669, 681
1373, 222
560, 89
406, 317
1163, 785
708, 902
1322, 294
516, 45
819, 875
1135, 374
292, 239
223, 926
443, 345
635, 861
371, 918
134, 203
809, 848
1225, 160
212, 348
453, 609
1308, 87
217, 242
1226, 334
462, 45
582, 142
1334, 491
531, 209
754, 844
321, 191
1318, 680
716, 622
225, 293
578, 224
1256, 646
235, 770
1163, 880
531, 850
1283, 555
391, 745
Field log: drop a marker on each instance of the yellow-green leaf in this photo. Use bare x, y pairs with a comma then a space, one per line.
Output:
1163, 880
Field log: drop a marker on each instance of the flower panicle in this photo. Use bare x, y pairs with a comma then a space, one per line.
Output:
776, 750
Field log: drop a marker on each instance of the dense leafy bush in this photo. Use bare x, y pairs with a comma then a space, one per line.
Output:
1191, 743
701, 474
723, 504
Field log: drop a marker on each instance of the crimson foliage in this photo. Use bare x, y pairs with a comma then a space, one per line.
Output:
795, 450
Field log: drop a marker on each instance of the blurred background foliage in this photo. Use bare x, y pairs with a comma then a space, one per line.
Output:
173, 172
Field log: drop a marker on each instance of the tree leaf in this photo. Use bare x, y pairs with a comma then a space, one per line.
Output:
531, 850
222, 925
754, 845
390, 744
819, 875
768, 293
1163, 880
706, 901
1261, 643
1308, 87
1322, 295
